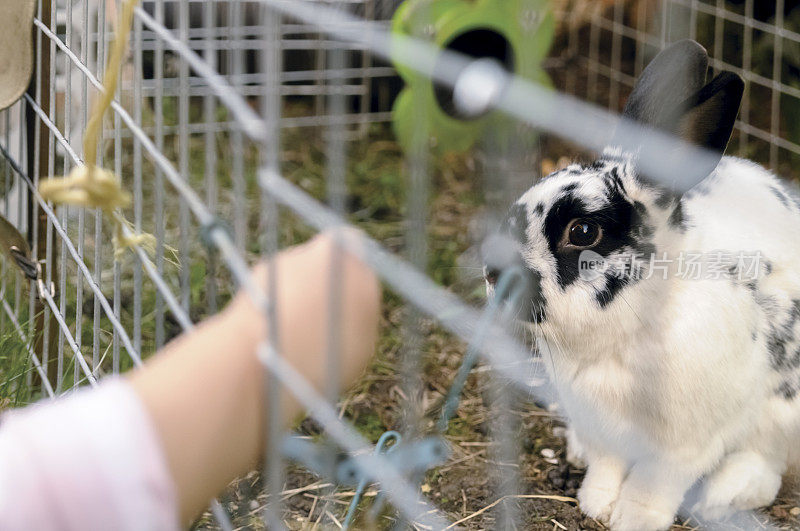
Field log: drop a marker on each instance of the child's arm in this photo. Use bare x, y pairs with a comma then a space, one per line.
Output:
205, 391
151, 450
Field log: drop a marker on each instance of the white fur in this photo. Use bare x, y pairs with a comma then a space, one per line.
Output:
666, 385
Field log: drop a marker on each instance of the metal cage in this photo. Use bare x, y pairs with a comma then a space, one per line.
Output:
238, 129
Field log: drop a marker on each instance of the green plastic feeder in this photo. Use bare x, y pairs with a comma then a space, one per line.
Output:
516, 33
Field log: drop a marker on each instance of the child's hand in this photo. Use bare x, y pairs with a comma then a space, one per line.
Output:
303, 303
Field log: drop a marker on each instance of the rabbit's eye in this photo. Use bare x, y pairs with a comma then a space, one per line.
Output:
583, 233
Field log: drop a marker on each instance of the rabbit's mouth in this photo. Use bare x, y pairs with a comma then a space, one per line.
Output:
518, 286
509, 279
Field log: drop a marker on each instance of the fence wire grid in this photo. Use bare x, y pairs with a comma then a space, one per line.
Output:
242, 127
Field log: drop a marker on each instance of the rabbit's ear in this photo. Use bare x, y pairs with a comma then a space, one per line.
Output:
672, 96
708, 117
677, 73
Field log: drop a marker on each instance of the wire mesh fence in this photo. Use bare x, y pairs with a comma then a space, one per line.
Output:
607, 44
242, 127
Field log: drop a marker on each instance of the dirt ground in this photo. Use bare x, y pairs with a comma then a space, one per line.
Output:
466, 487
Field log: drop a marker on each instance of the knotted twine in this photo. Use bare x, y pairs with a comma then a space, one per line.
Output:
88, 185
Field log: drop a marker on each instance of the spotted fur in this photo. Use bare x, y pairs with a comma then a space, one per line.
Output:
668, 380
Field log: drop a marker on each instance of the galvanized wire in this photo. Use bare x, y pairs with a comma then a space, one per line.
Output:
143, 145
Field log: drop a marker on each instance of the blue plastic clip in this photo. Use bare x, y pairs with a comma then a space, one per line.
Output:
510, 289
380, 448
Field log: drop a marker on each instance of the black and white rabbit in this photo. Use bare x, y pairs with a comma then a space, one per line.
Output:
669, 381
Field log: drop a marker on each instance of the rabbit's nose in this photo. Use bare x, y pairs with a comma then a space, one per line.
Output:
499, 253
504, 269
501, 257
492, 275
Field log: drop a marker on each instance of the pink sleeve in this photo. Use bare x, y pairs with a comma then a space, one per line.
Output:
90, 461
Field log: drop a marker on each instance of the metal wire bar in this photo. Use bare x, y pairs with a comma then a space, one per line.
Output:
138, 192
236, 137
337, 192
98, 220
271, 62
157, 155
285, 123
183, 156
209, 105
179, 313
158, 64
48, 233
718, 12
777, 65
221, 515
57, 226
33, 161
81, 239
416, 234
67, 334
245, 117
197, 83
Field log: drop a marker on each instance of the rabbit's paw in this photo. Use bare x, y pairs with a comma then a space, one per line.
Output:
631, 514
744, 481
650, 496
600, 488
597, 502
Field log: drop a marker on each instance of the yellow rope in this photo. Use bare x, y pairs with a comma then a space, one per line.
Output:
88, 185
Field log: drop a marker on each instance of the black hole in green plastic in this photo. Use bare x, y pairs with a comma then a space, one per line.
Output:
479, 43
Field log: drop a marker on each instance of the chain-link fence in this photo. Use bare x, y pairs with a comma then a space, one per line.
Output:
242, 127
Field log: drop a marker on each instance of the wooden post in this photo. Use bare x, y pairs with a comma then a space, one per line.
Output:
37, 167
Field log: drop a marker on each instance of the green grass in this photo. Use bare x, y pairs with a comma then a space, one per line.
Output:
15, 367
